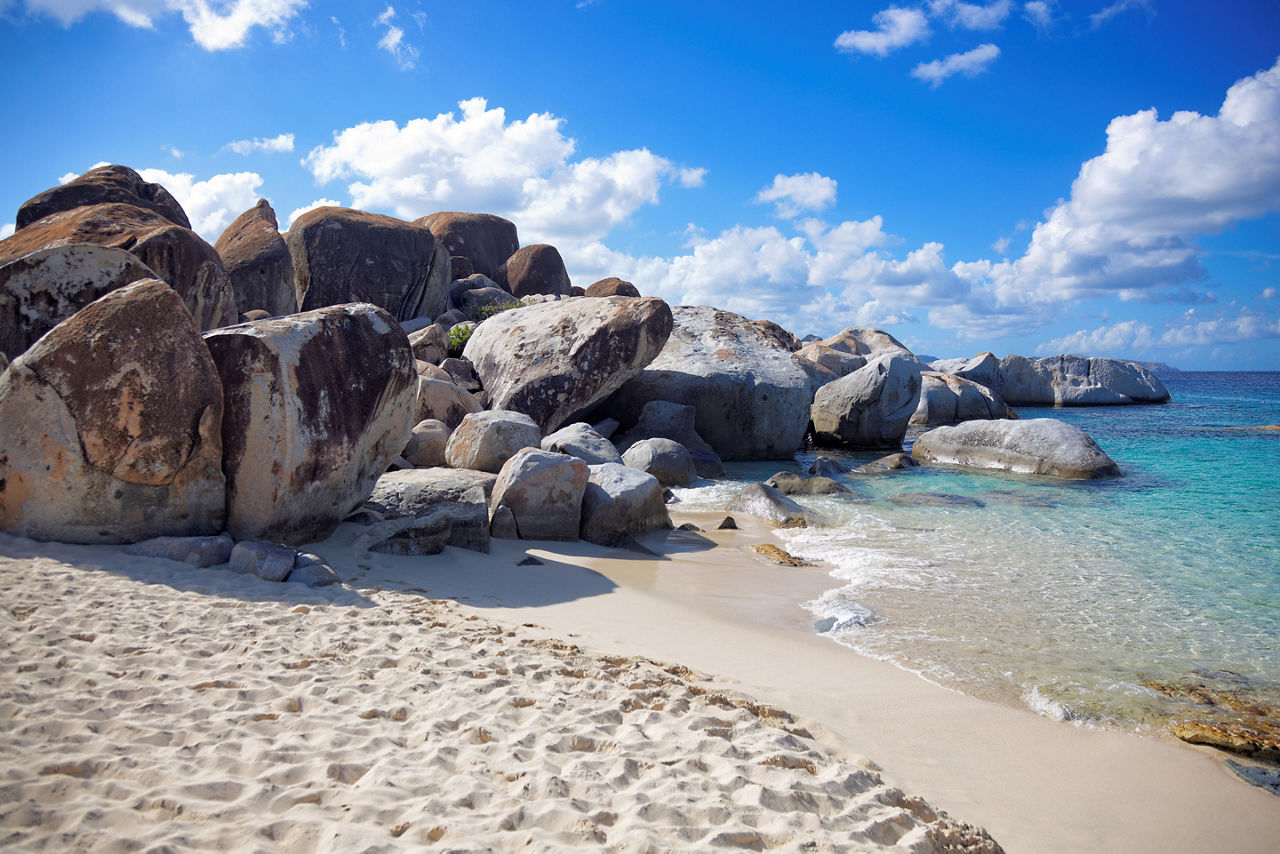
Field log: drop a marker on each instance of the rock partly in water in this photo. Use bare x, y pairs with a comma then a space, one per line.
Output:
318, 404
111, 426
765, 502
1044, 446
483, 239
790, 483
196, 551
582, 441
619, 501
258, 262
727, 524
778, 556
750, 395
826, 466
342, 256
667, 460
950, 399
884, 465
870, 408
935, 499
556, 359
544, 492
1076, 381
176, 255
40, 290
484, 441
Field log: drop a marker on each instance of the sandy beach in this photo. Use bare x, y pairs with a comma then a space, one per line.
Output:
598, 699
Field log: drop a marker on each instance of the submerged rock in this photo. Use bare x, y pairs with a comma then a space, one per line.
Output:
884, 465
1044, 446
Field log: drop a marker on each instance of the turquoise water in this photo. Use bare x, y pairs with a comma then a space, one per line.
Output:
1071, 597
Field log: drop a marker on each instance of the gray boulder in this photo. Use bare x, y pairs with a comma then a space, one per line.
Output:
868, 342
662, 419
40, 290
416, 492
313, 571
751, 396
111, 426
870, 408
268, 561
556, 359
1077, 381
544, 493
462, 374
196, 551
949, 399
1043, 446
342, 256
886, 464
318, 404
484, 239
481, 303
983, 369
790, 483
765, 502
582, 441
427, 443
424, 535
430, 344
832, 364
258, 262
667, 460
826, 466
484, 441
620, 501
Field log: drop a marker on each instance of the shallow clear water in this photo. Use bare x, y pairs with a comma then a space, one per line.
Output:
1069, 596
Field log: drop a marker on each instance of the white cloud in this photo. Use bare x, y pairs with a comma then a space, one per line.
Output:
1194, 330
1001, 245
1268, 293
479, 161
1127, 337
793, 194
404, 53
972, 16
1040, 14
6, 230
214, 24
212, 204
281, 143
318, 203
1135, 210
1102, 17
970, 64
174, 152
342, 33
895, 28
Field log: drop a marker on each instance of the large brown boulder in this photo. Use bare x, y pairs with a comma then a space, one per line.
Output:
111, 426
484, 239
611, 287
318, 404
258, 262
40, 290
556, 359
342, 256
177, 255
750, 394
100, 186
536, 269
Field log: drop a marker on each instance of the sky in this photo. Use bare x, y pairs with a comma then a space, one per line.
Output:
1098, 177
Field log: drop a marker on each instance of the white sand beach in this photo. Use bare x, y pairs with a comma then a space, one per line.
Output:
600, 699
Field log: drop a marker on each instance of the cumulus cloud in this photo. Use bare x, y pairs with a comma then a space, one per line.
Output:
281, 143
1040, 14
522, 170
214, 24
895, 28
1119, 339
1135, 210
1193, 329
6, 230
392, 41
211, 204
972, 16
318, 203
970, 64
793, 194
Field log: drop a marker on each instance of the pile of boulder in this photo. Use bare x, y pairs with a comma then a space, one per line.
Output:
432, 379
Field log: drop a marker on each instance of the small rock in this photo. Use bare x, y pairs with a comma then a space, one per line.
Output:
427, 443
767, 503
826, 466
528, 560
197, 551
667, 460
688, 526
268, 561
773, 554
936, 499
503, 524
790, 483
313, 571
893, 462
484, 441
727, 524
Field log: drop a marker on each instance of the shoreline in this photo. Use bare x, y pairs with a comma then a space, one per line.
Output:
708, 604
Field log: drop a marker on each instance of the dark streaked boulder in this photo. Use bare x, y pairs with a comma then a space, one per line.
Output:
258, 262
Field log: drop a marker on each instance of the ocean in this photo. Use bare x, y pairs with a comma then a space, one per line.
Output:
1107, 603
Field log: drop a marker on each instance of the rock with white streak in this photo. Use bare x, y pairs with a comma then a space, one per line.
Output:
620, 501
318, 404
111, 426
543, 491
1043, 446
556, 359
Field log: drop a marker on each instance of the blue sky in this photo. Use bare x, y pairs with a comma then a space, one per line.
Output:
1036, 177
